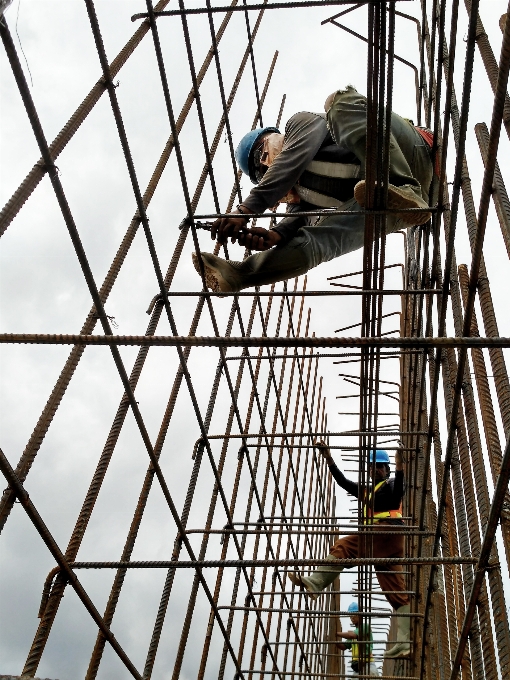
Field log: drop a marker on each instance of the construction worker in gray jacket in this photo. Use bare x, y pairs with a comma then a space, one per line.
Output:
319, 163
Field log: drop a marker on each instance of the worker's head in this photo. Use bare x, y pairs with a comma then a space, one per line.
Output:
257, 150
382, 464
353, 613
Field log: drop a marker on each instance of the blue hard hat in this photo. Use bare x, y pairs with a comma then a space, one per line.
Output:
245, 147
380, 457
353, 607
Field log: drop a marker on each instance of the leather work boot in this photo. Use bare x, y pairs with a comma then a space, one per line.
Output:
220, 275
260, 269
399, 197
314, 584
403, 647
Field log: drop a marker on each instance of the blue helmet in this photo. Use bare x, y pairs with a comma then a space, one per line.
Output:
353, 608
380, 457
245, 147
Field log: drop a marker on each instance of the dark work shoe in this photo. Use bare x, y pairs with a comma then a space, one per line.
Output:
398, 197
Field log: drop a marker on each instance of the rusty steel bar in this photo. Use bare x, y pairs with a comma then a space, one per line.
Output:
479, 500
498, 109
162, 564
261, 532
499, 195
321, 612
304, 433
307, 293
375, 212
212, 341
274, 5
333, 675
488, 416
483, 562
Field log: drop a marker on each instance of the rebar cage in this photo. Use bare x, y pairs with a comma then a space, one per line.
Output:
193, 485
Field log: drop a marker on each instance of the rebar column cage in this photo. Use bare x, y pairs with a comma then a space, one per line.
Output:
229, 480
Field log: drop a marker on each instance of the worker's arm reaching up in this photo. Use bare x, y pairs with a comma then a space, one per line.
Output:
337, 474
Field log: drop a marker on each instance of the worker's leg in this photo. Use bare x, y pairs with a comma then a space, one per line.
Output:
374, 671
333, 236
344, 548
410, 166
390, 576
371, 670
391, 580
410, 162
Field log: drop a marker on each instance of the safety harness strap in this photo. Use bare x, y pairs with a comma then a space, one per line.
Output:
315, 198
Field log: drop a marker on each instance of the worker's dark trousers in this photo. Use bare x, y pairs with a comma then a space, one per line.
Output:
330, 237
390, 576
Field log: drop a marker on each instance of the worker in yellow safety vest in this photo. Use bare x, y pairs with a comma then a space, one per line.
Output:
351, 638
317, 164
387, 514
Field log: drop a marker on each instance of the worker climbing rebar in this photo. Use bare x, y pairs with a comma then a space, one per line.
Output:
351, 638
318, 164
387, 514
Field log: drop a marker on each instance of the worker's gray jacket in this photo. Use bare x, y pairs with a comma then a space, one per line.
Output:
307, 145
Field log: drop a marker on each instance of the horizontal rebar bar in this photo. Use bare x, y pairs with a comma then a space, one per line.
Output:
347, 433
367, 530
308, 293
323, 612
275, 5
304, 526
386, 355
328, 642
335, 592
346, 564
335, 448
256, 671
234, 341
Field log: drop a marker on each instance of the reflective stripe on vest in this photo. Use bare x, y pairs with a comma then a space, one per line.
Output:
394, 514
327, 169
337, 170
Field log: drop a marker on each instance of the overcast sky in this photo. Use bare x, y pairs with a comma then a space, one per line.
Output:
42, 290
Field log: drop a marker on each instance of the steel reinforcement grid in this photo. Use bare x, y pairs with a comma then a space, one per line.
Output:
179, 563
